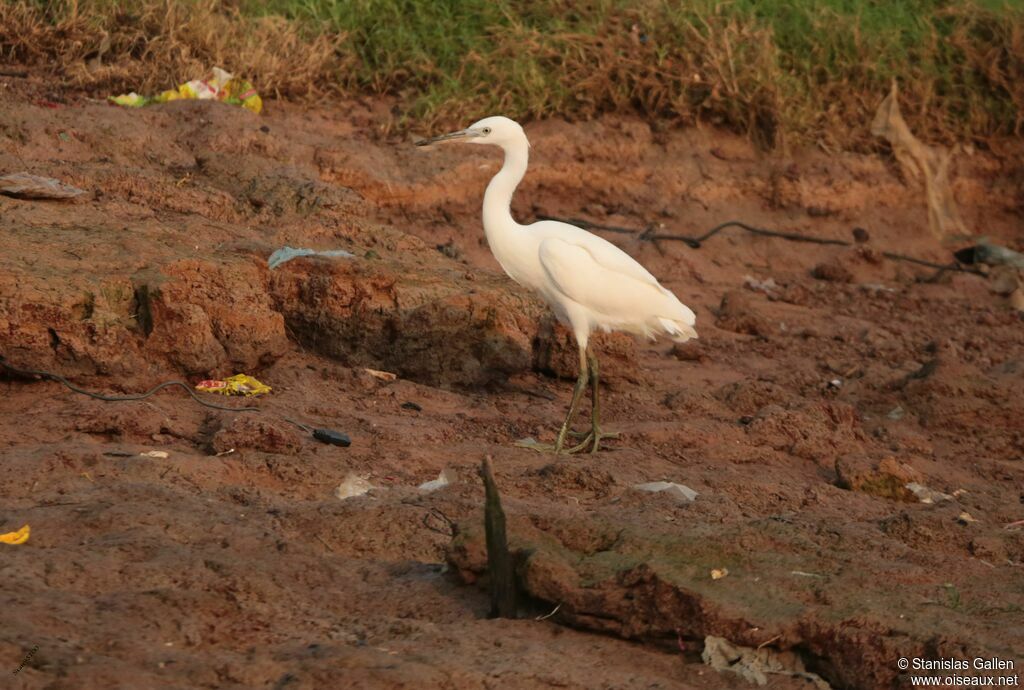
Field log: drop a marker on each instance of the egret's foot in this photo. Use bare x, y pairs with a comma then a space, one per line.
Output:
589, 433
593, 437
534, 444
597, 435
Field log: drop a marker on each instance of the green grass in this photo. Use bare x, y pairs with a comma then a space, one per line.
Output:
810, 69
780, 70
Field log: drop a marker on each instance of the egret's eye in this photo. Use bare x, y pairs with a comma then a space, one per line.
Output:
486, 130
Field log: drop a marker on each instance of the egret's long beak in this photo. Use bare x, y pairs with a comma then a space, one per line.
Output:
451, 136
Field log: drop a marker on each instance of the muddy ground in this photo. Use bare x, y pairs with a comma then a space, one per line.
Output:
799, 416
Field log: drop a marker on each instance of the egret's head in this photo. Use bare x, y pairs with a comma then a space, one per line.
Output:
498, 131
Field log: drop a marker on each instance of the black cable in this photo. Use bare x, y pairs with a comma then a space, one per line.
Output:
696, 242
121, 398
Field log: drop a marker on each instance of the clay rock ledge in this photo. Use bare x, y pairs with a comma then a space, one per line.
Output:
426, 322
402, 308
656, 586
191, 317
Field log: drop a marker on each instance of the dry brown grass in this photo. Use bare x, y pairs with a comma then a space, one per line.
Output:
157, 45
712, 62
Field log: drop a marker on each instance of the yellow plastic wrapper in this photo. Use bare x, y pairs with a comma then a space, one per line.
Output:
222, 86
239, 384
19, 537
130, 100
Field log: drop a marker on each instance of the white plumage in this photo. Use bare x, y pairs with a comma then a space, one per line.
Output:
589, 282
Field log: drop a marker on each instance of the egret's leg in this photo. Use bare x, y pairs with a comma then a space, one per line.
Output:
595, 408
565, 431
577, 393
595, 434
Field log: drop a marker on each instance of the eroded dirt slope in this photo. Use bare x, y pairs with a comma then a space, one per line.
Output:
231, 563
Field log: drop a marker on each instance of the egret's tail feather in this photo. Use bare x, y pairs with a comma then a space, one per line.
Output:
679, 331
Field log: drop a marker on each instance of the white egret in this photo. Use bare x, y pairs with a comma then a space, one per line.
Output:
589, 282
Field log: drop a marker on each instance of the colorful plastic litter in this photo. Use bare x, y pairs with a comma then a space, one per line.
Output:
286, 253
222, 86
240, 384
19, 537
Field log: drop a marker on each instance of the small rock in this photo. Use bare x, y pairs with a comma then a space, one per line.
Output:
382, 375
926, 495
887, 478
832, 271
257, 434
354, 485
964, 518
988, 548
1017, 299
756, 666
27, 186
690, 351
739, 312
765, 286
446, 477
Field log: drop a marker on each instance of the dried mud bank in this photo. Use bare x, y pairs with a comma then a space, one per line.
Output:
808, 405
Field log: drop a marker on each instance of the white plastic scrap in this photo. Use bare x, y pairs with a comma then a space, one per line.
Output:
285, 254
926, 495
354, 485
446, 477
680, 492
754, 665
154, 454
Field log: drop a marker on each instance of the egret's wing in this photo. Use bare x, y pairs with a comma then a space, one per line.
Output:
601, 250
622, 289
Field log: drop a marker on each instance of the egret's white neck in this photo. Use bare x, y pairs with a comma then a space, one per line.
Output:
498, 221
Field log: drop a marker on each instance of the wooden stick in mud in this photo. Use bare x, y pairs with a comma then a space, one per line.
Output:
499, 560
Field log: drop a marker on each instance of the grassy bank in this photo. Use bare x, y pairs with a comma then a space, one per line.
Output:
799, 70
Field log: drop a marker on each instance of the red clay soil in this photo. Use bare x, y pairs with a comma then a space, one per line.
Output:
799, 417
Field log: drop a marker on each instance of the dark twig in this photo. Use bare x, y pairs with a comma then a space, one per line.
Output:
499, 560
435, 513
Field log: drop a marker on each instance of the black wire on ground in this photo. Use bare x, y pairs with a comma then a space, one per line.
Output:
695, 242
121, 398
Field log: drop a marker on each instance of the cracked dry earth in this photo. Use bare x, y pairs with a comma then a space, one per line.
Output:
231, 563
